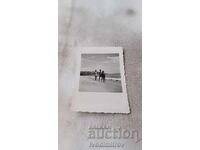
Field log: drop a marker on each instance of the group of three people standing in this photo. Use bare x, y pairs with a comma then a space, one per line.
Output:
101, 74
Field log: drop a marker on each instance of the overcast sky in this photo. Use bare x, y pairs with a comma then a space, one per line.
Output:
107, 62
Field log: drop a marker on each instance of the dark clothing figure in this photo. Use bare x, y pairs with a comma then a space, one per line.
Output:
103, 76
95, 75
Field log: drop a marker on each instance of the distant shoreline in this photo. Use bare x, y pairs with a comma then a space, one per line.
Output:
108, 75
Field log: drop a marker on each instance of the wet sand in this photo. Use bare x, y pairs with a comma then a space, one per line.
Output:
88, 84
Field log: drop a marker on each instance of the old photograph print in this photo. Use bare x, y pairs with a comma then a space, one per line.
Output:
100, 73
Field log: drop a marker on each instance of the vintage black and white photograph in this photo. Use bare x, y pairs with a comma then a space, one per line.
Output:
100, 81
100, 73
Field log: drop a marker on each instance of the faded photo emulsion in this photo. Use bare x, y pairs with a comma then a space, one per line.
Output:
100, 73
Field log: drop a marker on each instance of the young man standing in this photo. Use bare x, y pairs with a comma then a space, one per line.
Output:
95, 74
100, 75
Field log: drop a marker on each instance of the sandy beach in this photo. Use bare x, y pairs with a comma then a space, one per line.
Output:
88, 84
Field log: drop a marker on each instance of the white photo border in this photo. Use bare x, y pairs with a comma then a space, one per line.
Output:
100, 102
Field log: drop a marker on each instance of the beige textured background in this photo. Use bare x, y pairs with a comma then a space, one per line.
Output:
99, 23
